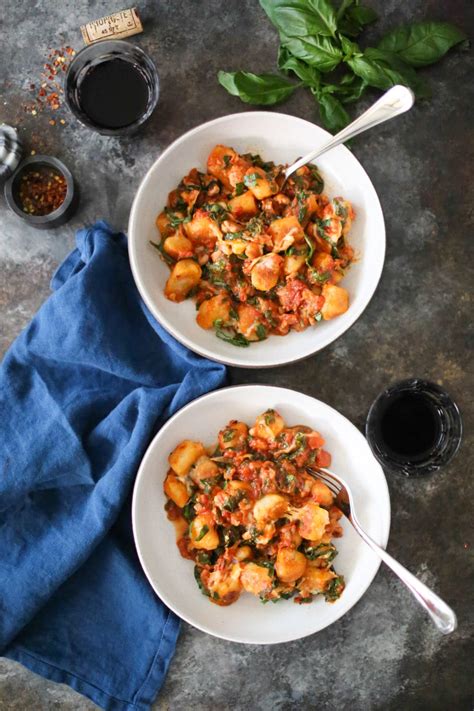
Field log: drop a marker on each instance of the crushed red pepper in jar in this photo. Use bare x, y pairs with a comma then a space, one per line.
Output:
41, 191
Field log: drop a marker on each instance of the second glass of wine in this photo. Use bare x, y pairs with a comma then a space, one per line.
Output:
414, 427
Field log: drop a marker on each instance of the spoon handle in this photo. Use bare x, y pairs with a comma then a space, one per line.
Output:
441, 614
395, 101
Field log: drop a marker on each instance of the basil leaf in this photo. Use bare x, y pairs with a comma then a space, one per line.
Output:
287, 62
383, 69
343, 7
263, 89
349, 48
317, 51
301, 17
406, 73
355, 19
422, 43
333, 114
350, 91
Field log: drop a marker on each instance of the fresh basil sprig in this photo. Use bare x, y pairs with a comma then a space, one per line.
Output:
317, 40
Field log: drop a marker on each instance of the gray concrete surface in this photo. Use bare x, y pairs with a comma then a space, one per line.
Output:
384, 654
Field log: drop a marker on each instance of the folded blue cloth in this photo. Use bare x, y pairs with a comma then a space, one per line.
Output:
82, 391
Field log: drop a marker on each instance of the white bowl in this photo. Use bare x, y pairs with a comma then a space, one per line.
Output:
281, 138
248, 620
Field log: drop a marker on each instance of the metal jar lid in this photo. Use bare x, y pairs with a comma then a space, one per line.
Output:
11, 151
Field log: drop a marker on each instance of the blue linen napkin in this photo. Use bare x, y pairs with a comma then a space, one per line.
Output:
82, 391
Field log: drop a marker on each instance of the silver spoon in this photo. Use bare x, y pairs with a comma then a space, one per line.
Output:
395, 101
441, 614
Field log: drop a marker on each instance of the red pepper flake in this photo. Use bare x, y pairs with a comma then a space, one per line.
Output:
48, 89
42, 191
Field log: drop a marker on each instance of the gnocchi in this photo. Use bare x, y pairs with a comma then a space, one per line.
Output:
240, 236
250, 515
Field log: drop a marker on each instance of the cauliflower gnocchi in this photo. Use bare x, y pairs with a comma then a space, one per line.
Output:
260, 255
251, 517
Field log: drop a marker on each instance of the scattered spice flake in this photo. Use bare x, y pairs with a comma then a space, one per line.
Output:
466, 546
52, 122
48, 95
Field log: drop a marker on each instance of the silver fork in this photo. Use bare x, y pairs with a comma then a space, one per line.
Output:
441, 614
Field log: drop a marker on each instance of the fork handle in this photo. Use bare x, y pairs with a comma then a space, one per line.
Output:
441, 614
394, 102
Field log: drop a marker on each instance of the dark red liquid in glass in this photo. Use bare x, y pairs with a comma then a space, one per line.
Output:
410, 425
114, 94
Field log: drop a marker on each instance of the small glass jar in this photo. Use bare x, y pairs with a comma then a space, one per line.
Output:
88, 60
447, 428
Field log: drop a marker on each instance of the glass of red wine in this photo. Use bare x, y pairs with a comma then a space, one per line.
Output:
112, 87
414, 427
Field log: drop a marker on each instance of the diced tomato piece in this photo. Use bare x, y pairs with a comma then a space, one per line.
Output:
314, 440
323, 459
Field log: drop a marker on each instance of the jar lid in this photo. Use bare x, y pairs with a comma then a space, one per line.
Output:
11, 151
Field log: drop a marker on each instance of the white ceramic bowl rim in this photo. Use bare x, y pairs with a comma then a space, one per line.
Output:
326, 332
382, 506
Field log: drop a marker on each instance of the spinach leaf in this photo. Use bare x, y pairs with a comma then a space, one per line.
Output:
162, 252
236, 339
269, 417
202, 532
201, 586
320, 278
302, 17
261, 332
188, 511
263, 89
233, 501
230, 536
204, 558
322, 550
333, 114
317, 51
310, 244
422, 43
250, 180
334, 589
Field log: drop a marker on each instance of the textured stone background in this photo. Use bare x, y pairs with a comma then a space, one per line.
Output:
384, 654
